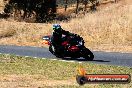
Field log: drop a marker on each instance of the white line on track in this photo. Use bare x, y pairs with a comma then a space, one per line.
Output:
7, 54
26, 56
43, 58
67, 61
34, 57
53, 59
48, 59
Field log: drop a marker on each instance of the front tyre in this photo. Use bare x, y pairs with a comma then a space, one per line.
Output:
53, 50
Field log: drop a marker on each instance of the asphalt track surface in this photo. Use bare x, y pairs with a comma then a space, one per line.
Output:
111, 58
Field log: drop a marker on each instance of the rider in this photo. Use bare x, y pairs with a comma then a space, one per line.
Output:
57, 36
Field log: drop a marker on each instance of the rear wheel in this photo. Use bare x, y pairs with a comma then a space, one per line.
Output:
87, 54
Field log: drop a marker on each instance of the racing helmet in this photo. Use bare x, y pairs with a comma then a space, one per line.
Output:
56, 27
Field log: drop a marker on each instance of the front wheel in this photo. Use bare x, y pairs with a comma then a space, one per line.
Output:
87, 54
54, 51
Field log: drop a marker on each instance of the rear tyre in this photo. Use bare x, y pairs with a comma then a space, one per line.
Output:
87, 54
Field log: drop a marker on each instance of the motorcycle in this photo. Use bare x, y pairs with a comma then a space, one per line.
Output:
72, 46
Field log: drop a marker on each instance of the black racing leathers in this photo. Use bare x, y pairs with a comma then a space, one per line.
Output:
57, 39
57, 36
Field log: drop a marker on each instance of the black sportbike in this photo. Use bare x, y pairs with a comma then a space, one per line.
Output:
71, 46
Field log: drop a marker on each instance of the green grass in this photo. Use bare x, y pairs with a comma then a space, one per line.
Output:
58, 70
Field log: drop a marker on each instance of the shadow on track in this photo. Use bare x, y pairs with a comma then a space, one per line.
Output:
76, 59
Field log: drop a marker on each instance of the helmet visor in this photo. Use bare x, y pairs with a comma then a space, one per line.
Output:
56, 28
